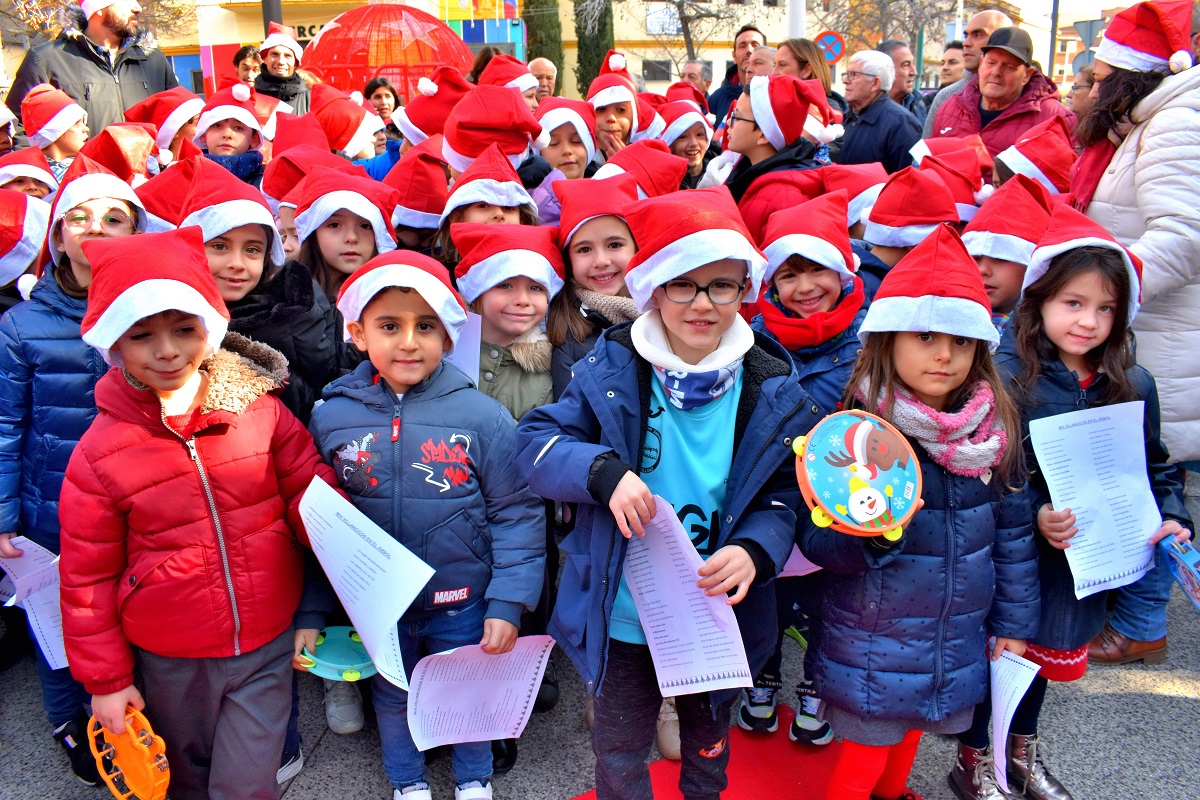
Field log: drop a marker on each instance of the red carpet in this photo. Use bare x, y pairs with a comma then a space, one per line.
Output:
760, 767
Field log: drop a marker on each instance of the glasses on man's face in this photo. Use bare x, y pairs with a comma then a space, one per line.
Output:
851, 74
721, 292
1076, 87
733, 116
110, 222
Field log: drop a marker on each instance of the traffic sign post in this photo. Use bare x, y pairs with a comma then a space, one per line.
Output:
832, 45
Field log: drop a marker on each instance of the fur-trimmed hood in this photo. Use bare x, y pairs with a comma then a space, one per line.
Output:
532, 351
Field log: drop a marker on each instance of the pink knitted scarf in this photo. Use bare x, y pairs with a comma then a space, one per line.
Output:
967, 442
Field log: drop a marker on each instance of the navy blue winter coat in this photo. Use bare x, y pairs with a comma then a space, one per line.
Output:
47, 402
435, 470
600, 422
905, 627
1068, 623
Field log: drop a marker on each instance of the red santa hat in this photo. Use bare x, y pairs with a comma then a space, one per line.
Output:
1044, 153
959, 170
287, 169
124, 148
682, 90
554, 112
509, 72
855, 441
167, 111
24, 221
48, 113
426, 112
8, 120
164, 194
911, 299
87, 180
347, 125
127, 286
1011, 222
815, 230
947, 144
327, 191
490, 115
292, 131
911, 205
862, 183
614, 84
679, 232
28, 162
267, 109
1149, 36
233, 102
583, 201
491, 178
1069, 229
617, 65
279, 35
492, 254
403, 269
648, 123
679, 117
653, 99
218, 202
656, 169
781, 105
419, 179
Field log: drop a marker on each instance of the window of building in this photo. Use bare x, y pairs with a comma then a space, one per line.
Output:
656, 70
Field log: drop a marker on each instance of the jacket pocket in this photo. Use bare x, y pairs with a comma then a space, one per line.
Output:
461, 556
165, 601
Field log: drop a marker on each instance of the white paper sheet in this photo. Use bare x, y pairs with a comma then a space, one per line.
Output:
694, 639
375, 577
798, 565
466, 351
1011, 677
466, 695
1094, 462
36, 569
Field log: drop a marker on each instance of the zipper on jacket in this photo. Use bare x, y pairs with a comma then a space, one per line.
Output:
940, 643
190, 444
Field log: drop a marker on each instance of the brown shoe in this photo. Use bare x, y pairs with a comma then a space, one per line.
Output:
1113, 647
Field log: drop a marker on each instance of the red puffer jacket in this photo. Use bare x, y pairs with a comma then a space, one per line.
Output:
184, 545
959, 116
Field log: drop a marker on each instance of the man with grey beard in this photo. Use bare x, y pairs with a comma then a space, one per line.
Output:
99, 60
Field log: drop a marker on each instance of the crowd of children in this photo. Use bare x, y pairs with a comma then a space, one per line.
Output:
215, 302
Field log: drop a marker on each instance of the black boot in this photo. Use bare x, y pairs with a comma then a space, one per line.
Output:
504, 755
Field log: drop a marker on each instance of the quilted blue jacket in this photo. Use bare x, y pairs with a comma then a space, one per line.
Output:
47, 382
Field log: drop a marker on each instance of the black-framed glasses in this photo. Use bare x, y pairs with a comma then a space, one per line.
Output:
721, 292
733, 116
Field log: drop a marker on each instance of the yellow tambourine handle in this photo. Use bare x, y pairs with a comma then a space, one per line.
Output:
798, 444
894, 535
821, 519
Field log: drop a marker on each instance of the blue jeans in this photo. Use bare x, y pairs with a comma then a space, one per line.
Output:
63, 697
402, 761
1140, 612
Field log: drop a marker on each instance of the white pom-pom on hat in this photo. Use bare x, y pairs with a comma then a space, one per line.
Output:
542, 141
984, 193
241, 92
830, 132
1180, 61
25, 284
427, 87
616, 62
164, 157
357, 98
856, 262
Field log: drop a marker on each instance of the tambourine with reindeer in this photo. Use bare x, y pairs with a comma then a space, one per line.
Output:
858, 475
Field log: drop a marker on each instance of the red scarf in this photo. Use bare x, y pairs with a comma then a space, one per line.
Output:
795, 333
1087, 172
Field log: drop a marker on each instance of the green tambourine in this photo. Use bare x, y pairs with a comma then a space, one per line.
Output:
340, 656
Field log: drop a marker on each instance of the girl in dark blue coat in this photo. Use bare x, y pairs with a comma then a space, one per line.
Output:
1070, 349
905, 624
47, 379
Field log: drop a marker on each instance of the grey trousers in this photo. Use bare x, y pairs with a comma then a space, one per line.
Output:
223, 719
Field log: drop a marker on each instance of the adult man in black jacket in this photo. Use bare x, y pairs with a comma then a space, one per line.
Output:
99, 60
281, 57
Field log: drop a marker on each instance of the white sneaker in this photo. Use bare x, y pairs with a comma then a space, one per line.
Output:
343, 707
291, 769
474, 790
418, 792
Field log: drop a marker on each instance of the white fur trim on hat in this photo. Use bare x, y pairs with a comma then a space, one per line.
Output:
145, 299
764, 115
1042, 256
1119, 55
683, 123
219, 113
91, 7
918, 151
824, 134
505, 265
281, 40
966, 211
327, 205
408, 130
689, 252
618, 94
956, 316
220, 218
33, 233
861, 204
611, 170
90, 187
523, 82
486, 190
57, 125
805, 245
156, 224
11, 172
653, 131
1020, 164
364, 136
408, 218
1004, 246
359, 293
176, 120
461, 162
555, 118
902, 236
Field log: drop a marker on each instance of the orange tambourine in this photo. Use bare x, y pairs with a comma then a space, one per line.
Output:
858, 475
133, 764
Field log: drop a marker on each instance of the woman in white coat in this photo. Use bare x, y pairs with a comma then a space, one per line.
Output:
1139, 177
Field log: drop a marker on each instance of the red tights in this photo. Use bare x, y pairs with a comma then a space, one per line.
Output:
863, 771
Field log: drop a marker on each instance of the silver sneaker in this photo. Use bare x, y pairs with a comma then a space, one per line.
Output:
1027, 769
973, 776
343, 707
